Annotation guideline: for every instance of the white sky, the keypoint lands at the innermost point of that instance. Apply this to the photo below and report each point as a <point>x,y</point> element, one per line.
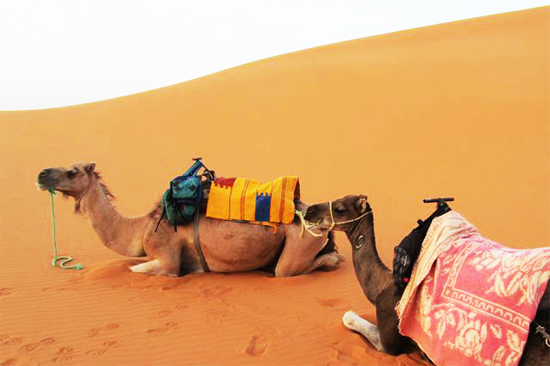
<point>57,53</point>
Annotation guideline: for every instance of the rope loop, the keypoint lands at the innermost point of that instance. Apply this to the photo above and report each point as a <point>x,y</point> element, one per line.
<point>307,226</point>
<point>63,259</point>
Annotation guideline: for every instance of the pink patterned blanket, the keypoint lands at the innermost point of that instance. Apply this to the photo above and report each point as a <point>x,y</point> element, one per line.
<point>470,301</point>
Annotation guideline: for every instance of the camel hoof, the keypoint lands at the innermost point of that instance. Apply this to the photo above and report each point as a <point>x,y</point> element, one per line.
<point>150,267</point>
<point>364,327</point>
<point>349,320</point>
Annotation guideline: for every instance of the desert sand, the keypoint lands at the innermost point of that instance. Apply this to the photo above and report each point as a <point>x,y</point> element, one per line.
<point>459,109</point>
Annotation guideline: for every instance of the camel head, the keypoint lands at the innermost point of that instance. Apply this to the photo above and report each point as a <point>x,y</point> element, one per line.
<point>72,181</point>
<point>345,211</point>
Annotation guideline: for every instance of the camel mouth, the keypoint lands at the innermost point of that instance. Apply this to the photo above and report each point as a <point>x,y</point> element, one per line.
<point>43,186</point>
<point>45,183</point>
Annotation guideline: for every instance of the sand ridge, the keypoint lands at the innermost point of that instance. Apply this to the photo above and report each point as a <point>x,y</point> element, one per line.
<point>460,109</point>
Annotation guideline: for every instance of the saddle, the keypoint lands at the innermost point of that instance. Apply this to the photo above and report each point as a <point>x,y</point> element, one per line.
<point>471,301</point>
<point>237,199</point>
<point>247,200</point>
<point>406,253</point>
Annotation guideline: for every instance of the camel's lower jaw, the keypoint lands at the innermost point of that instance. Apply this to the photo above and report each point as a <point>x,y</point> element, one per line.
<point>44,187</point>
<point>40,186</point>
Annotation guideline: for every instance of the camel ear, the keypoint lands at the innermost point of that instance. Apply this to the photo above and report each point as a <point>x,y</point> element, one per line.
<point>90,167</point>
<point>362,204</point>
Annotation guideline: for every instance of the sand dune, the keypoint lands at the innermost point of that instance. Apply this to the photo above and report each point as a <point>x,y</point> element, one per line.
<point>459,109</point>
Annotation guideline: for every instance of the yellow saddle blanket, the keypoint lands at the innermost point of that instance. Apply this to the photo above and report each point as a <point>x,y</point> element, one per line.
<point>249,200</point>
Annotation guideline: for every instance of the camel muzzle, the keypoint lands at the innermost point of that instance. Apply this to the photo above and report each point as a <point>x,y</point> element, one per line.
<point>45,182</point>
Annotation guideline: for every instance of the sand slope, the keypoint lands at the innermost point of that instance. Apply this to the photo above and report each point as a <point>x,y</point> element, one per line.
<point>458,109</point>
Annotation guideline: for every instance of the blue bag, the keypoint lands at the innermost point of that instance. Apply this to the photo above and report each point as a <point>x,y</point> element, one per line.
<point>183,198</point>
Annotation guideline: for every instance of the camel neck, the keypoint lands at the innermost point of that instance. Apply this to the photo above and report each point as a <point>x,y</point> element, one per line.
<point>121,234</point>
<point>371,272</point>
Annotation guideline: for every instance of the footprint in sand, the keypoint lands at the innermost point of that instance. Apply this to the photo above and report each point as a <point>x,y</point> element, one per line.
<point>9,362</point>
<point>216,291</point>
<point>5,291</point>
<point>112,326</point>
<point>164,313</point>
<point>111,344</point>
<point>8,341</point>
<point>258,346</point>
<point>348,353</point>
<point>65,354</point>
<point>47,341</point>
<point>95,331</point>
<point>28,348</point>
<point>96,352</point>
<point>161,329</point>
<point>329,302</point>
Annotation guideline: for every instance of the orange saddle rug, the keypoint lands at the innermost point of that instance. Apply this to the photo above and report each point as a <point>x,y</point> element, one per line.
<point>252,201</point>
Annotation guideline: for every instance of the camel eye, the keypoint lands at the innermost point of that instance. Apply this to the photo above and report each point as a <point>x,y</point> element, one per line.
<point>339,210</point>
<point>72,173</point>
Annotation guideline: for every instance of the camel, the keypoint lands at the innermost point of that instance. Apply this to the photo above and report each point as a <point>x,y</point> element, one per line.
<point>353,215</point>
<point>227,246</point>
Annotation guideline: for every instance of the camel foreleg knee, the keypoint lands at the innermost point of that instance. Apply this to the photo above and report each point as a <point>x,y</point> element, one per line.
<point>328,262</point>
<point>365,328</point>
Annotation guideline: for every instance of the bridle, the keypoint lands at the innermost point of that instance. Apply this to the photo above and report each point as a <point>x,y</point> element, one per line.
<point>334,223</point>
<point>307,226</point>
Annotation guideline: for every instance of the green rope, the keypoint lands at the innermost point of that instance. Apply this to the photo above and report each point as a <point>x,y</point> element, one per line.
<point>65,259</point>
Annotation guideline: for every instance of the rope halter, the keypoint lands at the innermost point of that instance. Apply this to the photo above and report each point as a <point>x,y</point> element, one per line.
<point>308,226</point>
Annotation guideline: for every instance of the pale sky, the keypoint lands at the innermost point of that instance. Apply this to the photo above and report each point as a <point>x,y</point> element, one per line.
<point>64,52</point>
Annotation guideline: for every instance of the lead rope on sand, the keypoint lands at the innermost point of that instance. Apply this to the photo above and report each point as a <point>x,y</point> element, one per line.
<point>63,259</point>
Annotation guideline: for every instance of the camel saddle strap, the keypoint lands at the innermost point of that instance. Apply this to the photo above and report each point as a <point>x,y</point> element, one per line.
<point>197,242</point>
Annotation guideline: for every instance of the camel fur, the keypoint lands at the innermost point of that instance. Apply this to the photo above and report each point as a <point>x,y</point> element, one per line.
<point>227,246</point>
<point>377,283</point>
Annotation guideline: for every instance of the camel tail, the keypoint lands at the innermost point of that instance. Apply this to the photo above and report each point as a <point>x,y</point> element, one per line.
<point>330,246</point>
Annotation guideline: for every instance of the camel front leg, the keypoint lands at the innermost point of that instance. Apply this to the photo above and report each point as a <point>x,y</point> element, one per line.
<point>299,255</point>
<point>157,268</point>
<point>365,328</point>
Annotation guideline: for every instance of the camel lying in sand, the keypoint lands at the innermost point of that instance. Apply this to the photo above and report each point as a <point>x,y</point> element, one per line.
<point>353,215</point>
<point>227,246</point>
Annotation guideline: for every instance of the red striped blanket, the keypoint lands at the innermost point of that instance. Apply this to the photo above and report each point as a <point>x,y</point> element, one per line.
<point>470,300</point>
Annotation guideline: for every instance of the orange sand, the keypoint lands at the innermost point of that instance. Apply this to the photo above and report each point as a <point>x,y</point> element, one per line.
<point>459,109</point>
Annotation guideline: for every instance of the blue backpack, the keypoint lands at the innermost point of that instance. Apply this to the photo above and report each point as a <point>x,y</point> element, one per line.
<point>182,200</point>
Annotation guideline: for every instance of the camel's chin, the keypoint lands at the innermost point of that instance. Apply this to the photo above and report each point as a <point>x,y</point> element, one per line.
<point>49,188</point>
<point>42,187</point>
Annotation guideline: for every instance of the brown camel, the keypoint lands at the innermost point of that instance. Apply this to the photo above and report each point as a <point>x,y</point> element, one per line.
<point>227,246</point>
<point>353,215</point>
